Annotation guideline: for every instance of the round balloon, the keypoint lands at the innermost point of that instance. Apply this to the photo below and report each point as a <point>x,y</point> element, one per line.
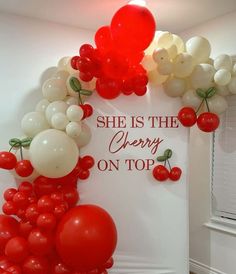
<point>53,154</point>
<point>86,237</point>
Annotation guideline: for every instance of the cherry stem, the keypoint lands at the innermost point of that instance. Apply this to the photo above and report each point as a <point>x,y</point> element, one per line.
<point>207,105</point>
<point>80,99</point>
<point>21,153</point>
<point>165,163</point>
<point>200,106</point>
<point>169,164</point>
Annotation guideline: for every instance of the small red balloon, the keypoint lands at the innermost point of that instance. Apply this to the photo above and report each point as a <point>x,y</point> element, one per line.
<point>16,249</point>
<point>24,168</point>
<point>44,186</point>
<point>35,265</point>
<point>5,263</point>
<point>108,88</point>
<point>46,221</point>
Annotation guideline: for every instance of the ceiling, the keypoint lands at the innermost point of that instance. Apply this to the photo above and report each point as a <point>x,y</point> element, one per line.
<point>172,15</point>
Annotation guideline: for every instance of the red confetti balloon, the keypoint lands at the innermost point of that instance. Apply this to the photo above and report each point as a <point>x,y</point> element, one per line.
<point>133,28</point>
<point>90,250</point>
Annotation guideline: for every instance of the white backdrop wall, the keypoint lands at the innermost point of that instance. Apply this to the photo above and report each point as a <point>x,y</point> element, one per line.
<point>210,248</point>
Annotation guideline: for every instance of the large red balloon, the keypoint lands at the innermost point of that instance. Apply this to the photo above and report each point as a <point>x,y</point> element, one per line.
<point>86,237</point>
<point>103,38</point>
<point>133,28</point>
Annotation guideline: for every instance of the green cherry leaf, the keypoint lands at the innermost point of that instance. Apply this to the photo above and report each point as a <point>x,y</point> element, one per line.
<point>15,142</point>
<point>86,92</point>
<point>201,93</point>
<point>26,142</point>
<point>168,153</point>
<point>161,158</point>
<point>210,92</point>
<point>75,84</point>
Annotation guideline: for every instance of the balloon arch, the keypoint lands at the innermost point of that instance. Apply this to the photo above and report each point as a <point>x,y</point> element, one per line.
<point>42,230</point>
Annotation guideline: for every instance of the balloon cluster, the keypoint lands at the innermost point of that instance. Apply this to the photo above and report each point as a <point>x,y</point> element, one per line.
<point>187,71</point>
<point>115,61</point>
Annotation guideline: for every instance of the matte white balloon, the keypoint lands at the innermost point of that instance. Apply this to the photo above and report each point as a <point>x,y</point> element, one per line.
<point>59,121</point>
<point>203,76</point>
<point>54,89</point>
<point>223,61</point>
<point>160,55</point>
<point>165,40</point>
<point>53,154</point>
<point>233,72</point>
<point>222,90</point>
<point>179,43</point>
<point>165,68</point>
<point>183,65</point>
<point>148,63</point>
<point>191,99</point>
<point>84,137</point>
<point>73,129</point>
<point>61,75</point>
<point>175,87</point>
<point>217,104</point>
<point>155,78</point>
<point>70,100</point>
<point>33,123</point>
<point>42,105</point>
<point>199,48</point>
<point>62,64</point>
<point>172,51</point>
<point>222,77</point>
<point>55,107</point>
<point>75,113</point>
<point>232,85</point>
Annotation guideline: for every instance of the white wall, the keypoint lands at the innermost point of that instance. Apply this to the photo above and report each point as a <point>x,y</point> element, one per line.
<point>211,248</point>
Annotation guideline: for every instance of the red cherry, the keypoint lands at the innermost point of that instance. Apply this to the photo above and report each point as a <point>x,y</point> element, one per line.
<point>84,174</point>
<point>86,162</point>
<point>26,187</point>
<point>20,199</point>
<point>46,221</point>
<point>24,168</point>
<point>88,110</point>
<point>86,50</point>
<point>140,91</point>
<point>208,122</point>
<point>7,160</point>
<point>9,194</point>
<point>187,117</point>
<point>9,208</point>
<point>45,204</point>
<point>175,173</point>
<point>160,173</point>
<point>73,62</point>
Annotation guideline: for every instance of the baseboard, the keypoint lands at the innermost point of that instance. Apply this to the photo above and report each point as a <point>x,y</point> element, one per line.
<point>199,268</point>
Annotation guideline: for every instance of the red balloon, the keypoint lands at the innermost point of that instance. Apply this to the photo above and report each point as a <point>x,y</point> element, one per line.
<point>44,186</point>
<point>45,204</point>
<point>4,262</point>
<point>46,221</point>
<point>133,28</point>
<point>71,195</point>
<point>15,269</point>
<point>60,268</point>
<point>24,228</point>
<point>86,237</point>
<point>35,265</point>
<point>103,39</point>
<point>9,228</point>
<point>32,213</point>
<point>16,249</point>
<point>108,88</point>
<point>39,243</point>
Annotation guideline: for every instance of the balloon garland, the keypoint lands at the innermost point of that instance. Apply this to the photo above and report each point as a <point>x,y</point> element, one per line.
<point>42,229</point>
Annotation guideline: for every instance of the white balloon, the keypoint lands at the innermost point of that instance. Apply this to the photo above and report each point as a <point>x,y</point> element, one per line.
<point>42,105</point>
<point>172,51</point>
<point>73,129</point>
<point>62,64</point>
<point>148,63</point>
<point>199,48</point>
<point>165,68</point>
<point>222,90</point>
<point>155,78</point>
<point>191,99</point>
<point>55,107</point>
<point>84,137</point>
<point>33,123</point>
<point>223,61</point>
<point>232,85</point>
<point>61,75</point>
<point>165,40</point>
<point>210,61</point>
<point>202,76</point>
<point>75,113</point>
<point>217,104</point>
<point>234,69</point>
<point>175,87</point>
<point>183,65</point>
<point>53,154</point>
<point>160,55</point>
<point>222,77</point>
<point>59,121</point>
<point>179,43</point>
<point>70,100</point>
<point>54,89</point>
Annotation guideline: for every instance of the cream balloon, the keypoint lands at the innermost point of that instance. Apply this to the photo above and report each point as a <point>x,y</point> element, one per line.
<point>234,70</point>
<point>33,123</point>
<point>54,89</point>
<point>84,137</point>
<point>179,43</point>
<point>165,40</point>
<point>223,61</point>
<point>217,104</point>
<point>73,129</point>
<point>199,48</point>
<point>183,65</point>
<point>53,154</point>
<point>62,64</point>
<point>155,78</point>
<point>175,87</point>
<point>148,63</point>
<point>172,51</point>
<point>202,76</point>
<point>222,90</point>
<point>153,45</point>
<point>75,113</point>
<point>222,77</point>
<point>59,121</point>
<point>165,68</point>
<point>61,75</point>
<point>55,107</point>
<point>42,105</point>
<point>160,55</point>
<point>232,85</point>
<point>191,99</point>
<point>70,100</point>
